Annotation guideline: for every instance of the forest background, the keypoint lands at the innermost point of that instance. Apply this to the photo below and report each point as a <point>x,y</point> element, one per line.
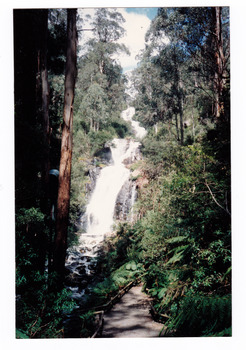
<point>238,156</point>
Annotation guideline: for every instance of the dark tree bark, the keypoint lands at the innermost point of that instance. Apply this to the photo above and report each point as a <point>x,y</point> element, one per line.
<point>43,97</point>
<point>181,117</point>
<point>25,71</point>
<point>32,116</point>
<point>179,90</point>
<point>177,126</point>
<point>219,62</point>
<point>66,147</point>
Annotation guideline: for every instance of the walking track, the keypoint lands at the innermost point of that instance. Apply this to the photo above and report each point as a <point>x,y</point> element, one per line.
<point>130,318</point>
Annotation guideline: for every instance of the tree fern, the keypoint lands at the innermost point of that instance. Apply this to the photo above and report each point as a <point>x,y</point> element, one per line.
<point>202,315</point>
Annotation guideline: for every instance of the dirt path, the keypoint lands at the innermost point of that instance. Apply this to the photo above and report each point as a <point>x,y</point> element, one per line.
<point>130,318</point>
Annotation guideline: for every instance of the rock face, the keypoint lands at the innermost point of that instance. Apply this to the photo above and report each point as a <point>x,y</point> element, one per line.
<point>133,158</point>
<point>125,201</point>
<point>105,155</point>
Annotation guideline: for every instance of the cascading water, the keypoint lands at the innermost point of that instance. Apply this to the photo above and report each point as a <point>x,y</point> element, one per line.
<point>127,115</point>
<point>100,210</point>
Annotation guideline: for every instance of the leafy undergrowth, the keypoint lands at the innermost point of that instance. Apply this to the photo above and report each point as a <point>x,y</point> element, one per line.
<point>180,244</point>
<point>104,291</point>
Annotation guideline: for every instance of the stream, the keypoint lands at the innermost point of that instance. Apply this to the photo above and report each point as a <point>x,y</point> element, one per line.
<point>113,189</point>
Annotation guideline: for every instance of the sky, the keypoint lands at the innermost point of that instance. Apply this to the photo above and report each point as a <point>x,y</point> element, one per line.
<point>137,22</point>
<point>150,12</point>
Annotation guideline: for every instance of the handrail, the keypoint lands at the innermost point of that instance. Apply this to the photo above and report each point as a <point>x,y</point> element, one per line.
<point>156,315</point>
<point>99,310</point>
<point>100,326</point>
<point>118,295</point>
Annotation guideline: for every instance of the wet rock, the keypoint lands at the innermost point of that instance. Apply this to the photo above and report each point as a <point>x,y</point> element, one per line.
<point>76,280</point>
<point>133,158</point>
<point>93,173</point>
<point>81,270</point>
<point>84,283</point>
<point>105,155</point>
<point>125,200</point>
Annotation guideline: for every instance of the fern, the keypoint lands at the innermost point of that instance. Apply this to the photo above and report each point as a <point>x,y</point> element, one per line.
<point>202,315</point>
<point>177,239</point>
<point>178,254</point>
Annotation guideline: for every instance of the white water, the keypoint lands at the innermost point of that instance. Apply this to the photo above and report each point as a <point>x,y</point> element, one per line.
<point>127,115</point>
<point>100,210</point>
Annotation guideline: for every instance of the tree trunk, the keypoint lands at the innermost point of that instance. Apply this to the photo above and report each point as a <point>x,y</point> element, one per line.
<point>177,126</point>
<point>179,89</point>
<point>219,62</point>
<point>181,118</point>
<point>45,112</point>
<point>46,128</point>
<point>66,147</point>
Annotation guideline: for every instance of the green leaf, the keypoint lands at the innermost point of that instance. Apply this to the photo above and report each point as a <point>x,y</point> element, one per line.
<point>21,335</point>
<point>178,239</point>
<point>162,292</point>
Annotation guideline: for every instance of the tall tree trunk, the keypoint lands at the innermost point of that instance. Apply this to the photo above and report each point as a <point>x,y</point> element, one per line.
<point>177,126</point>
<point>179,88</point>
<point>219,62</point>
<point>66,147</point>
<point>45,111</point>
<point>44,92</point>
<point>181,107</point>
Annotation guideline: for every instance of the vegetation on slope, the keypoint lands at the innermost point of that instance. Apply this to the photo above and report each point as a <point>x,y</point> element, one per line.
<point>181,240</point>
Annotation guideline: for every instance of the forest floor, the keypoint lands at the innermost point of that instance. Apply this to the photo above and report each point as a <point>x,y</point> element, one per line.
<point>130,317</point>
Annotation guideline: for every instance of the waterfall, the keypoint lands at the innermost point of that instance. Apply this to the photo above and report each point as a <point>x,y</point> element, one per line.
<point>127,115</point>
<point>100,210</point>
<point>101,207</point>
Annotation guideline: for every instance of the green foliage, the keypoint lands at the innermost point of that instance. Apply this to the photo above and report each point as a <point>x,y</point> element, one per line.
<point>182,239</point>
<point>29,216</point>
<point>39,308</point>
<point>205,315</point>
<point>30,253</point>
<point>21,335</point>
<point>99,99</point>
<point>43,319</point>
<point>118,278</point>
<point>87,324</point>
<point>93,106</point>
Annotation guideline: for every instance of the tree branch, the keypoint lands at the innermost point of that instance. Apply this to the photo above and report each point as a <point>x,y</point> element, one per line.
<point>210,191</point>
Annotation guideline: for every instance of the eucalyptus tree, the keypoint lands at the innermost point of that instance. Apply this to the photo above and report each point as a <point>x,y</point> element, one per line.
<point>94,107</point>
<point>107,31</point>
<point>148,101</point>
<point>66,146</point>
<point>103,47</point>
<point>159,80</point>
<point>172,62</point>
<point>187,55</point>
<point>98,68</point>
<point>199,33</point>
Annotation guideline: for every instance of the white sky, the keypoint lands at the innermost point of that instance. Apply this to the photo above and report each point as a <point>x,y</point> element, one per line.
<point>136,26</point>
